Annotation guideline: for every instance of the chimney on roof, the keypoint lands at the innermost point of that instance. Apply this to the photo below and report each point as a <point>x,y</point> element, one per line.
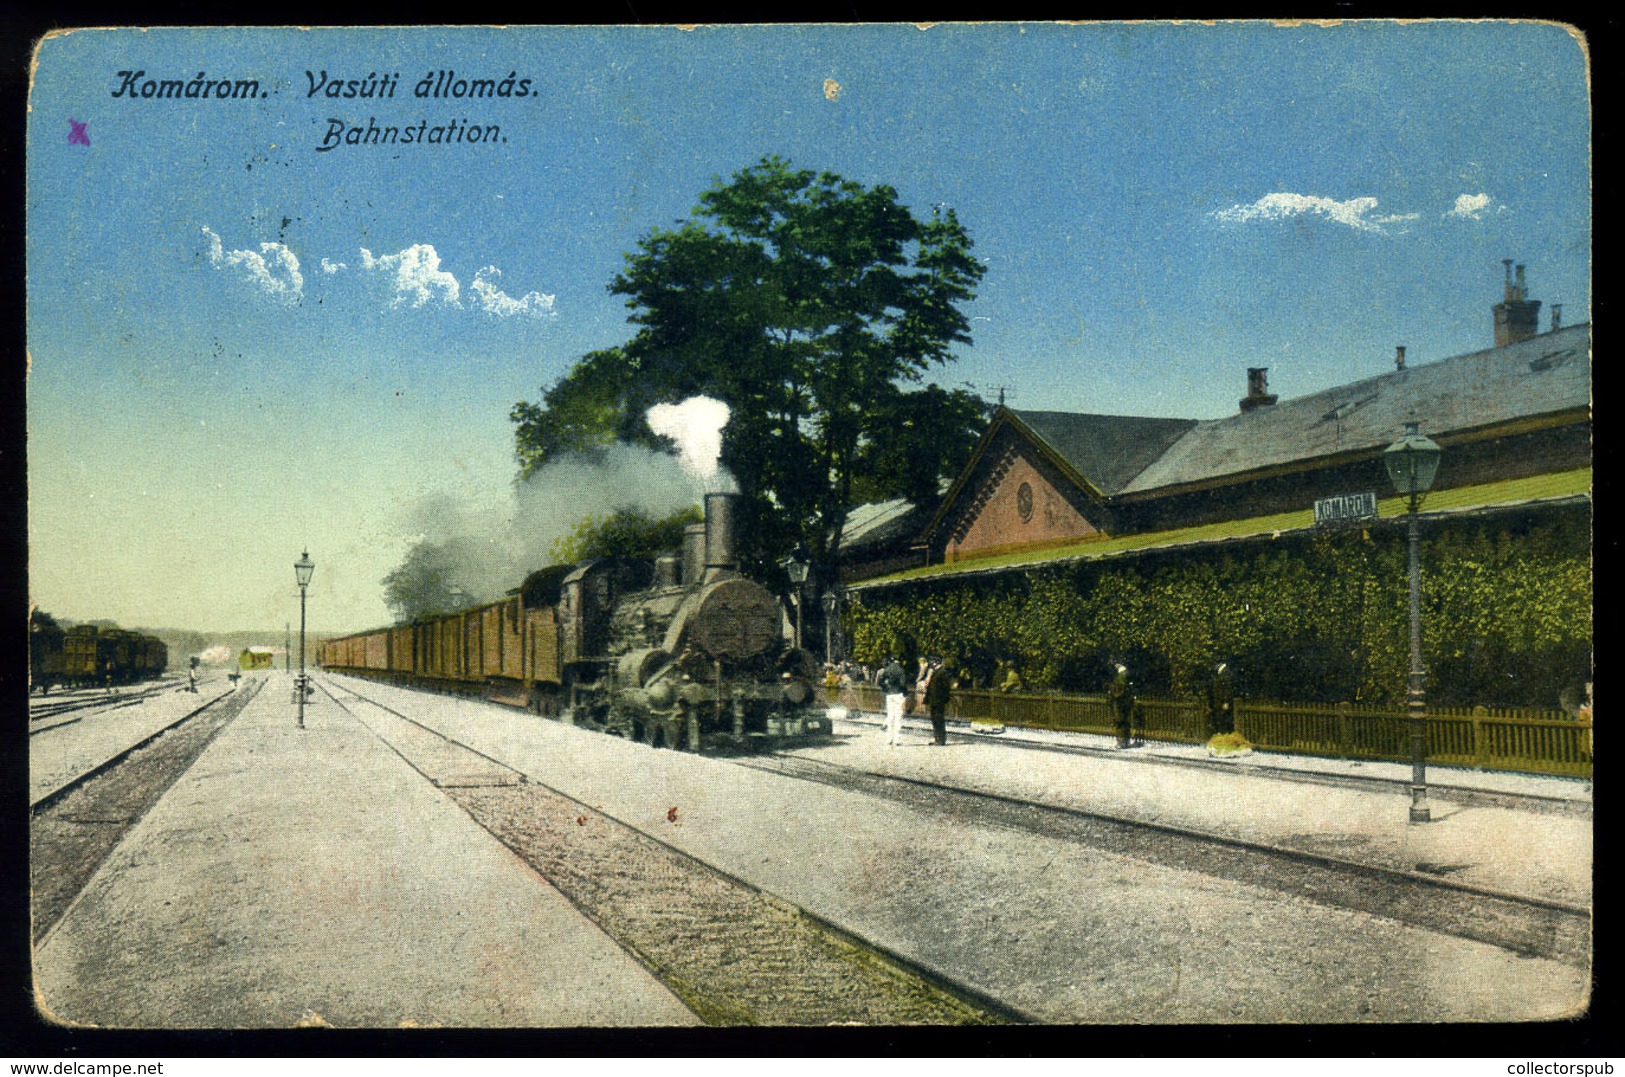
<point>1557,316</point>
<point>1258,389</point>
<point>1399,357</point>
<point>1517,317</point>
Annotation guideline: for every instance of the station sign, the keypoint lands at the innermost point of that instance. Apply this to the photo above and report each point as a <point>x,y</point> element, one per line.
<point>1362,506</point>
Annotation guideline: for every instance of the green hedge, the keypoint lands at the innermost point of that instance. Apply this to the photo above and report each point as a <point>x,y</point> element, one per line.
<point>1322,617</point>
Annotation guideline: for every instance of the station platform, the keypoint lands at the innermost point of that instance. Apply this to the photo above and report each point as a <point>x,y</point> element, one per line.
<point>1065,932</point>
<point>1346,809</point>
<point>1575,791</point>
<point>312,877</point>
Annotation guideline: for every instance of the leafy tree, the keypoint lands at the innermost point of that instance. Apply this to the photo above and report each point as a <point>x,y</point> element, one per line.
<point>811,305</point>
<point>627,533</point>
<point>422,585</point>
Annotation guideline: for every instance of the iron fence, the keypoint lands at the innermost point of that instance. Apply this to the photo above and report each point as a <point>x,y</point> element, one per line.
<point>1517,739</point>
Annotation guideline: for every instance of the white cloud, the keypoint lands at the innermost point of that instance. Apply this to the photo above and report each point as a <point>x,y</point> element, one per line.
<point>332,267</point>
<point>1470,207</point>
<point>416,275</point>
<point>494,300</point>
<point>1354,213</point>
<point>274,269</point>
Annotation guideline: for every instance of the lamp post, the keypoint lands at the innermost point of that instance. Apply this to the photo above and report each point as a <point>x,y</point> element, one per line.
<point>1412,462</point>
<point>832,603</point>
<point>302,570</point>
<point>796,566</point>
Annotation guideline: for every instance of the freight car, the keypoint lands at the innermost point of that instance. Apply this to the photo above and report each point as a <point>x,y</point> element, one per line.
<point>684,651</point>
<point>89,655</point>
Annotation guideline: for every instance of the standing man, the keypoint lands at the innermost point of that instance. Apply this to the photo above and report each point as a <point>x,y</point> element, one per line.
<point>892,683</point>
<point>1221,701</point>
<point>191,676</point>
<point>1121,693</point>
<point>939,686</point>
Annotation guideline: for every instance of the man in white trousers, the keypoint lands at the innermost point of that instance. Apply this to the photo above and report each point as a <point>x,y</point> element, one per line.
<point>892,683</point>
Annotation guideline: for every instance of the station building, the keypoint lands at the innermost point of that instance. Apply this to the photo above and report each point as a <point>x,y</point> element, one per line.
<point>1514,421</point>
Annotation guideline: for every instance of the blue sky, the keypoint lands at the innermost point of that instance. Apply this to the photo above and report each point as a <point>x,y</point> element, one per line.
<point>1158,206</point>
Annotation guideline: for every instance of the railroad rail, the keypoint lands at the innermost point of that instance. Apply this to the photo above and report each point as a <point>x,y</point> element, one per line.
<point>1527,926</point>
<point>41,712</point>
<point>732,951</point>
<point>74,827</point>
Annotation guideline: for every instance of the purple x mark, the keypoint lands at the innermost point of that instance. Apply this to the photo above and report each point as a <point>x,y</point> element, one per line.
<point>77,136</point>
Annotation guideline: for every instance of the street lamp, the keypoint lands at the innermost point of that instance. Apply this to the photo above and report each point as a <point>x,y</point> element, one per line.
<point>796,566</point>
<point>832,603</point>
<point>1412,461</point>
<point>302,570</point>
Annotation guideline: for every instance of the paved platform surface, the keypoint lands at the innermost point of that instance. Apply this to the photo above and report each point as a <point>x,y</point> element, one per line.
<point>1529,853</point>
<point>313,876</point>
<point>58,755</point>
<point>1064,932</point>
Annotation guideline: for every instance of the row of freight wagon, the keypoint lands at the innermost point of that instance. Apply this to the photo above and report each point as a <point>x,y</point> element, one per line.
<point>91,655</point>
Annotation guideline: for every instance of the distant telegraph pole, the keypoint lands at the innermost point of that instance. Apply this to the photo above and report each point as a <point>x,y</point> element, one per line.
<point>287,646</point>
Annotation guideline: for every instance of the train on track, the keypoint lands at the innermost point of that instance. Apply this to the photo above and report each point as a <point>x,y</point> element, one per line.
<point>683,651</point>
<point>85,655</point>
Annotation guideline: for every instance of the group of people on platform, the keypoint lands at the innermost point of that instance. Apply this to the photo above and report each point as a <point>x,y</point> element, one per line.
<point>934,681</point>
<point>933,687</point>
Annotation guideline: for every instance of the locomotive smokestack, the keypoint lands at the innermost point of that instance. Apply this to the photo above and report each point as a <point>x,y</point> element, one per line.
<point>721,550</point>
<point>693,553</point>
<point>666,570</point>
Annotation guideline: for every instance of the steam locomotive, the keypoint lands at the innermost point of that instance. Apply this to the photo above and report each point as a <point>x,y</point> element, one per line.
<point>88,655</point>
<point>681,652</point>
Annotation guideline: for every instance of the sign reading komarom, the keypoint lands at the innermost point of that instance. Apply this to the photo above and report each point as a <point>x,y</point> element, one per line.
<point>1361,506</point>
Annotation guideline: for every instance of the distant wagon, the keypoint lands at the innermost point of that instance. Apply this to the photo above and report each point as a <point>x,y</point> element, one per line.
<point>256,658</point>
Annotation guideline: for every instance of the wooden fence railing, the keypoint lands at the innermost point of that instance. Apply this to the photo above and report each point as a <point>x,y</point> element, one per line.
<point>1519,739</point>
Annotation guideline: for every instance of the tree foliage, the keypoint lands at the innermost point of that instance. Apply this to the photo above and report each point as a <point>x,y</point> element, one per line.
<point>422,585</point>
<point>812,306</point>
<point>627,533</point>
<point>1318,618</point>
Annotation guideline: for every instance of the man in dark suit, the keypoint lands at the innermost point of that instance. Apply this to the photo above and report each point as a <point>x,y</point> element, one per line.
<point>939,686</point>
<point>1221,700</point>
<point>1120,691</point>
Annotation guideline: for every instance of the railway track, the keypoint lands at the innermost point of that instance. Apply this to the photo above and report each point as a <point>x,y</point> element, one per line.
<point>74,827</point>
<point>1529,927</point>
<point>734,953</point>
<point>45,713</point>
<point>1466,796</point>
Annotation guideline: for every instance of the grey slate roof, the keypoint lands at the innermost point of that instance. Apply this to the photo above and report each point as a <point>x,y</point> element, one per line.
<point>880,524</point>
<point>1546,374</point>
<point>1108,450</point>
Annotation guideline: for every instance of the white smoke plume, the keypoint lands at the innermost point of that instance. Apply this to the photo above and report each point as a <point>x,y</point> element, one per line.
<point>218,655</point>
<point>488,549</point>
<point>696,426</point>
